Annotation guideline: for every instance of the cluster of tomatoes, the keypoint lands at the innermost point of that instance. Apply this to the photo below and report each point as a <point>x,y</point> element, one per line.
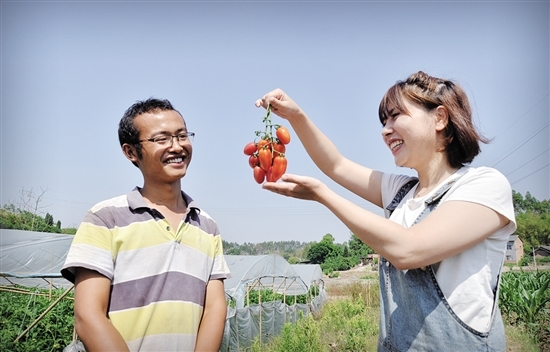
<point>267,155</point>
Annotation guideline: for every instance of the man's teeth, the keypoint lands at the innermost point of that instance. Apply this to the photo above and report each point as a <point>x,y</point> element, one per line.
<point>395,144</point>
<point>175,160</point>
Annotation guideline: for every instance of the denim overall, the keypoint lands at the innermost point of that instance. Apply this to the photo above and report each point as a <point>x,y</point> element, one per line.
<point>415,316</point>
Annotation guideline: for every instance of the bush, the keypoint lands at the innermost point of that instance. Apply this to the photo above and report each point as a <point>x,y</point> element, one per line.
<point>525,261</point>
<point>338,263</point>
<point>52,333</point>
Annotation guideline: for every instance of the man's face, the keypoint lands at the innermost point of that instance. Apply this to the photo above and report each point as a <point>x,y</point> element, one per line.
<point>163,163</point>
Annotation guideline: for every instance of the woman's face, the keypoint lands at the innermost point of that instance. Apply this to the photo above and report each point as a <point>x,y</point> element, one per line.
<point>411,135</point>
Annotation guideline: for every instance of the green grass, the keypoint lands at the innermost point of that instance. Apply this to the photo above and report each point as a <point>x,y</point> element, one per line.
<point>350,323</point>
<point>519,340</point>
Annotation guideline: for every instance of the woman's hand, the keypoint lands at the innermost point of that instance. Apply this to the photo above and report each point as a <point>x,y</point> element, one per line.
<point>281,104</point>
<point>300,187</point>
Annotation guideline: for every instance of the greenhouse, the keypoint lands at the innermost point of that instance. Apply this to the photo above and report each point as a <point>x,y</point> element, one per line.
<point>263,294</point>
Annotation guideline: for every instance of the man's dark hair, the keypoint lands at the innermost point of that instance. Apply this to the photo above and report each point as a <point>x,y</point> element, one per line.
<point>127,131</point>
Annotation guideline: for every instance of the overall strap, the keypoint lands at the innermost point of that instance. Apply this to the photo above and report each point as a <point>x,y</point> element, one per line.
<point>431,203</point>
<point>401,194</point>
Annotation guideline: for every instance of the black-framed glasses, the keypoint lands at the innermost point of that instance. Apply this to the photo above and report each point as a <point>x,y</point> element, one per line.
<point>167,139</point>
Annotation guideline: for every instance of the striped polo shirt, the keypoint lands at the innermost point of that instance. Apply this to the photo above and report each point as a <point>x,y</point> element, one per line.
<point>158,274</point>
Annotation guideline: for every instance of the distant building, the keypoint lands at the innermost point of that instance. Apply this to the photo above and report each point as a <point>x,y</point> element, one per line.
<point>514,249</point>
<point>542,252</point>
<point>370,259</point>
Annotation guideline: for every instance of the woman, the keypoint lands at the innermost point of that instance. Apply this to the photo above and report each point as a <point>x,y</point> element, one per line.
<point>444,239</point>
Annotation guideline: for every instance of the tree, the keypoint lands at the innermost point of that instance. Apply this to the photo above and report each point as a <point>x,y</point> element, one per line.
<point>319,252</point>
<point>533,220</point>
<point>49,219</point>
<point>517,199</point>
<point>529,204</point>
<point>12,217</point>
<point>358,248</point>
<point>533,229</point>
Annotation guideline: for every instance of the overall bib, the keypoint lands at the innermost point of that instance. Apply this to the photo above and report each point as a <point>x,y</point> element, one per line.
<point>415,316</point>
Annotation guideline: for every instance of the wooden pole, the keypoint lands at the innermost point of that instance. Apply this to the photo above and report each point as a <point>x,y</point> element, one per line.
<point>260,303</point>
<point>44,313</point>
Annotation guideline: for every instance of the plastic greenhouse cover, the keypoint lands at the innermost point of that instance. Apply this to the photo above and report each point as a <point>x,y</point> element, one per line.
<point>310,273</point>
<point>31,258</point>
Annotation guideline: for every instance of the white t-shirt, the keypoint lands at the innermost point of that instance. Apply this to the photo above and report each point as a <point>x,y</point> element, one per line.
<point>468,278</point>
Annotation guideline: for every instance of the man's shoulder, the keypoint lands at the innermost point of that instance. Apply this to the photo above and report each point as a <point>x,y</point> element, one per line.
<point>117,202</point>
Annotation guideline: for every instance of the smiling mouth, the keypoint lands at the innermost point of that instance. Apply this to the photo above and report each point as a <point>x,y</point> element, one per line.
<point>175,160</point>
<point>395,144</point>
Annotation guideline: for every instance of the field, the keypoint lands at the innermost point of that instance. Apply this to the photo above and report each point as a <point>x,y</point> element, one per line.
<point>348,321</point>
<point>517,338</point>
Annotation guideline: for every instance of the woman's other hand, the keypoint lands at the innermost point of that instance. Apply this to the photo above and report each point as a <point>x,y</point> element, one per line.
<point>300,187</point>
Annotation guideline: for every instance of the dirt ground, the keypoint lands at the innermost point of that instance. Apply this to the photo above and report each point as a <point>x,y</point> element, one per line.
<point>360,272</point>
<point>336,286</point>
<point>350,276</point>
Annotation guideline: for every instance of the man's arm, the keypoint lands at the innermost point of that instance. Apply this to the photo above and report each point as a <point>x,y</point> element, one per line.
<point>210,335</point>
<point>91,299</point>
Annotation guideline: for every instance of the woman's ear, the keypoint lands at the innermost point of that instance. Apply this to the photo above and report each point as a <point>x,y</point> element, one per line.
<point>130,152</point>
<point>441,118</point>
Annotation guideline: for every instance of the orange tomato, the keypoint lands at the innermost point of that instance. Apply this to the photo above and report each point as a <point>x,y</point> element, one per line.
<point>262,143</point>
<point>278,149</point>
<point>278,168</point>
<point>264,155</point>
<point>283,135</point>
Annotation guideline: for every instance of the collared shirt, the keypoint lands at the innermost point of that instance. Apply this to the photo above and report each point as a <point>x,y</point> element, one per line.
<point>158,274</point>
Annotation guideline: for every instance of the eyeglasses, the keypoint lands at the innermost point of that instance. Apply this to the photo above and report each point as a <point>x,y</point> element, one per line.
<point>165,139</point>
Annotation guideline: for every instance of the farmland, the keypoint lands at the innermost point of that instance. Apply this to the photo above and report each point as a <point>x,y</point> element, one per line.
<point>348,321</point>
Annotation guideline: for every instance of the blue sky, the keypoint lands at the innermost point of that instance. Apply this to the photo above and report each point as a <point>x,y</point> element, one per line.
<point>69,69</point>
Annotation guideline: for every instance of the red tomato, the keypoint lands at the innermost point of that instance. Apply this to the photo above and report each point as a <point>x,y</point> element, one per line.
<point>250,148</point>
<point>253,161</point>
<point>259,174</point>
<point>265,158</point>
<point>279,148</point>
<point>279,168</point>
<point>283,135</point>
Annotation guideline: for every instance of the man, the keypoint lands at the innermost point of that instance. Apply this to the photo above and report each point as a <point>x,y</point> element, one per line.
<point>148,266</point>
